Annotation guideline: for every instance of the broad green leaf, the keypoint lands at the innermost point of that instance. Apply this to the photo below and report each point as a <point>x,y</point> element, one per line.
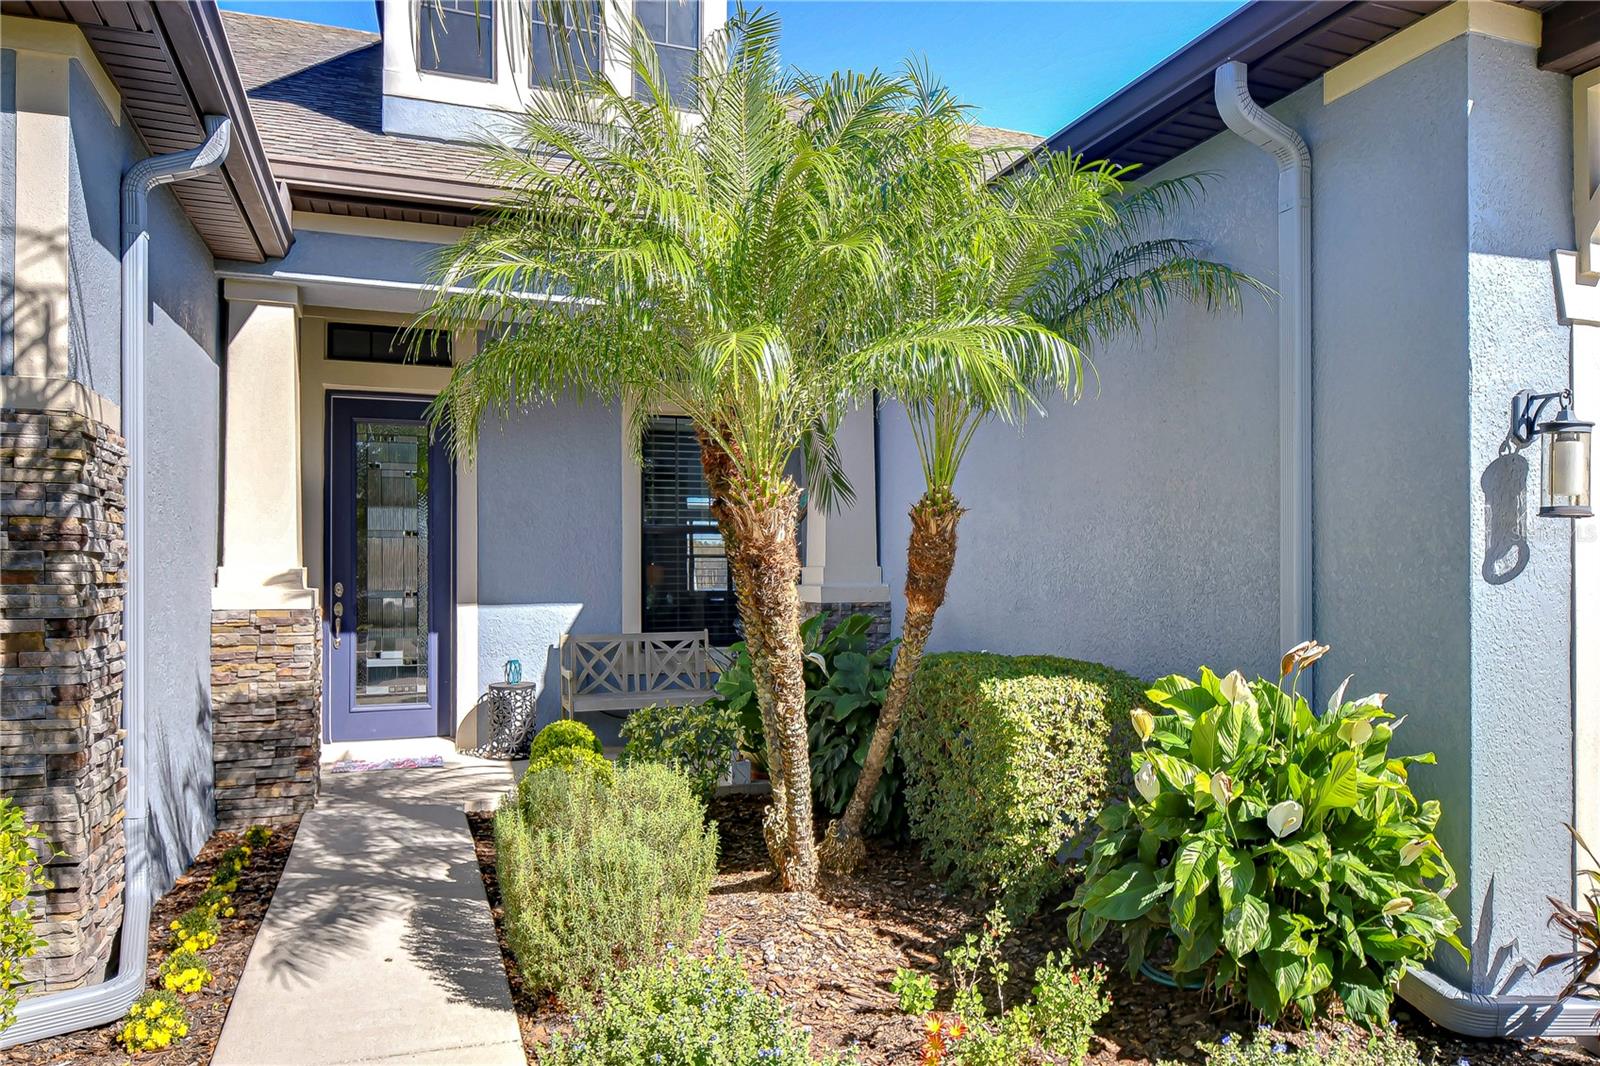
<point>1244,927</point>
<point>1191,871</point>
<point>1203,741</point>
<point>1180,695</point>
<point>1300,857</point>
<point>1337,788</point>
<point>1125,893</point>
<point>1236,875</point>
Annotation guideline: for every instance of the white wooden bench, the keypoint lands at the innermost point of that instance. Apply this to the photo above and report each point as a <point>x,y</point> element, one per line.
<point>615,673</point>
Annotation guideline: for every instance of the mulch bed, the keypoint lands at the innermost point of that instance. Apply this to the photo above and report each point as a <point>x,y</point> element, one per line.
<point>208,1007</point>
<point>831,958</point>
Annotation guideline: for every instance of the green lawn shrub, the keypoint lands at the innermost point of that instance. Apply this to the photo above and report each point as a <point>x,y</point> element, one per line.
<point>683,1011</point>
<point>1007,757</point>
<point>21,874</point>
<point>1283,853</point>
<point>599,873</point>
<point>570,759</point>
<point>564,733</point>
<point>698,741</point>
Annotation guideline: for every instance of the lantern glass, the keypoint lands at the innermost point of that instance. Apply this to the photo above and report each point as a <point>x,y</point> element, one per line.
<point>1566,470</point>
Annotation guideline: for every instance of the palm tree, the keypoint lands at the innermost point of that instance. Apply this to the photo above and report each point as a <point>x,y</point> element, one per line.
<point>735,265</point>
<point>1065,243</point>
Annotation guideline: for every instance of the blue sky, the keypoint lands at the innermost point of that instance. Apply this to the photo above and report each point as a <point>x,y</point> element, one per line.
<point>1025,64</point>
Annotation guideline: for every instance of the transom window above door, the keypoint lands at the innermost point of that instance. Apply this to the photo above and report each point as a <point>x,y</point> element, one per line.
<point>686,584</point>
<point>360,343</point>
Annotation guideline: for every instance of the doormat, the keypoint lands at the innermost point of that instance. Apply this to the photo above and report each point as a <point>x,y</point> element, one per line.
<point>361,766</point>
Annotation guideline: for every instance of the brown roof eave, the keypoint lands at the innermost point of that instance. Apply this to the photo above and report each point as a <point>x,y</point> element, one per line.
<point>201,48</point>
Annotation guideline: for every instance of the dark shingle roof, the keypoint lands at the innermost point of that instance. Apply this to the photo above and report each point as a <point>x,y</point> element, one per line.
<point>317,95</point>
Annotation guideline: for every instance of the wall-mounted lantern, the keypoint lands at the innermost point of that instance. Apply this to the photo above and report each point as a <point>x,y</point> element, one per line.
<point>1565,448</point>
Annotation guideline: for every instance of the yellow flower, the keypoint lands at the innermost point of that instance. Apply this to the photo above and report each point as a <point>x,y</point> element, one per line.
<point>228,912</point>
<point>1144,723</point>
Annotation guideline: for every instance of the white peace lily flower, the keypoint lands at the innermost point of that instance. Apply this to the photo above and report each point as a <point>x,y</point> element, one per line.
<point>1222,789</point>
<point>1145,781</point>
<point>1355,732</point>
<point>1413,851</point>
<point>1285,818</point>
<point>1144,723</point>
<point>1397,906</point>
<point>1237,689</point>
<point>1374,700</point>
<point>1336,700</point>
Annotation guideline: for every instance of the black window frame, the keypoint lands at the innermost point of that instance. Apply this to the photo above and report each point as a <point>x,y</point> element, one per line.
<point>674,520</point>
<point>395,352</point>
<point>482,13</point>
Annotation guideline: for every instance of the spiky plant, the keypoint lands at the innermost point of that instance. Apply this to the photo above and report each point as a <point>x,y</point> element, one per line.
<point>1064,243</point>
<point>1583,926</point>
<point>736,264</point>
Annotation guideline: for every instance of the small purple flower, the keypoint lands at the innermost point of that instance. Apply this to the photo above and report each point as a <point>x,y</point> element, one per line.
<point>1227,1038</point>
<point>1279,1048</point>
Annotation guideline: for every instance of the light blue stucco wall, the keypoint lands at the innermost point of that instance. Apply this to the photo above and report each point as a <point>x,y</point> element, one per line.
<point>1139,527</point>
<point>345,257</point>
<point>549,537</point>
<point>8,203</point>
<point>182,446</point>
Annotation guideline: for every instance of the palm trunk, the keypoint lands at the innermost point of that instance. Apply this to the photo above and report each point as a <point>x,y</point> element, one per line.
<point>930,557</point>
<point>763,560</point>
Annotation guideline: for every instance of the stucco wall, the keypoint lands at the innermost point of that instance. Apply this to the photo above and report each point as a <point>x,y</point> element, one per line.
<point>182,450</point>
<point>549,537</point>
<point>1139,527</point>
<point>8,200</point>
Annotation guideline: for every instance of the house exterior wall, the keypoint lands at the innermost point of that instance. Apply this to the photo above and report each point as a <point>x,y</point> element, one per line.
<point>1139,527</point>
<point>67,145</point>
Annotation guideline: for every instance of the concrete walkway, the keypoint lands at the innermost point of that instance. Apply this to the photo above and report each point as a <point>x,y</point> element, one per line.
<point>379,945</point>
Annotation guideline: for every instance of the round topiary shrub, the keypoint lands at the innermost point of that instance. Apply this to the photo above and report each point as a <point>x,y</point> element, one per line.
<point>1007,757</point>
<point>571,759</point>
<point>564,734</point>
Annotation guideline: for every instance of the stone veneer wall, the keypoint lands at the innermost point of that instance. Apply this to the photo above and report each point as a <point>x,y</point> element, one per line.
<point>266,713</point>
<point>62,570</point>
<point>878,634</point>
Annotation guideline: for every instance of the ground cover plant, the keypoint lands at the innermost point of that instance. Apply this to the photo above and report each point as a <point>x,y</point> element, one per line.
<point>685,1011</point>
<point>1007,757</point>
<point>1283,852</point>
<point>599,870</point>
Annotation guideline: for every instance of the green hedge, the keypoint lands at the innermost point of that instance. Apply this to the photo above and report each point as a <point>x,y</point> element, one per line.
<point>1007,757</point>
<point>599,871</point>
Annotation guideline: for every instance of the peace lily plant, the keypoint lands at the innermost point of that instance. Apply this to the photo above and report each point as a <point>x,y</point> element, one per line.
<point>1283,853</point>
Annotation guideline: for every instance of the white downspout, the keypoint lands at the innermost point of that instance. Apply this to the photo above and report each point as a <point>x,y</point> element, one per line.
<point>1247,118</point>
<point>79,1008</point>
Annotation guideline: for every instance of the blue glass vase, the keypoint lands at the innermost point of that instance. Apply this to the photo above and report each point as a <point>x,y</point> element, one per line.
<point>513,671</point>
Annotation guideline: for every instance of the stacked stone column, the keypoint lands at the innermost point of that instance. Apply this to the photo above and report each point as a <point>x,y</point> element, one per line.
<point>62,573</point>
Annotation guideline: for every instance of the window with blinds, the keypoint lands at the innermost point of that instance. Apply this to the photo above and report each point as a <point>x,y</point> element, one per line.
<point>686,584</point>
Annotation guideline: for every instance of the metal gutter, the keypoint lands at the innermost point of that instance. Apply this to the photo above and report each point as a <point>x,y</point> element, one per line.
<point>1247,118</point>
<point>78,1008</point>
<point>1496,1016</point>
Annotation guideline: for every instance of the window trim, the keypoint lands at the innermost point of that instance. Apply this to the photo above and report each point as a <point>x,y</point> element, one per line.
<point>494,59</point>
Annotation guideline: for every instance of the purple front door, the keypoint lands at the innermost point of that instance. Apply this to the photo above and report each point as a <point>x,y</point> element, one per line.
<point>390,595</point>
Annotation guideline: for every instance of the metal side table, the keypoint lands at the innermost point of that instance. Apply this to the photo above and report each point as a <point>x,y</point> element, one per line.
<point>513,710</point>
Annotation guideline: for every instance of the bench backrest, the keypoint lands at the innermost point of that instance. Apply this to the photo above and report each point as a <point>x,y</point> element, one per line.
<point>625,664</point>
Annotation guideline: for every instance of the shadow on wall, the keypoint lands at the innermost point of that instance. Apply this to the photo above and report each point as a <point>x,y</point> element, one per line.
<point>182,806</point>
<point>1505,501</point>
<point>530,632</point>
<point>29,315</point>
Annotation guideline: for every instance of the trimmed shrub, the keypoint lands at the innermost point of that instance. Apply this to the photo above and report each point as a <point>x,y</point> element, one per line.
<point>564,734</point>
<point>683,1011</point>
<point>597,874</point>
<point>21,874</point>
<point>697,741</point>
<point>570,759</point>
<point>1384,1047</point>
<point>1007,758</point>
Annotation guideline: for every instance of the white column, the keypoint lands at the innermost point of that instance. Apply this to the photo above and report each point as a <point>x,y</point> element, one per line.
<point>262,565</point>
<point>841,564</point>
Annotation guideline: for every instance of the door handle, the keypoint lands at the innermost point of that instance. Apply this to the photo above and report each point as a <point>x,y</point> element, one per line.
<point>338,611</point>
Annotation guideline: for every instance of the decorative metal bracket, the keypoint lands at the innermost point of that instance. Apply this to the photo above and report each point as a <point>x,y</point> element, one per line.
<point>1527,407</point>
